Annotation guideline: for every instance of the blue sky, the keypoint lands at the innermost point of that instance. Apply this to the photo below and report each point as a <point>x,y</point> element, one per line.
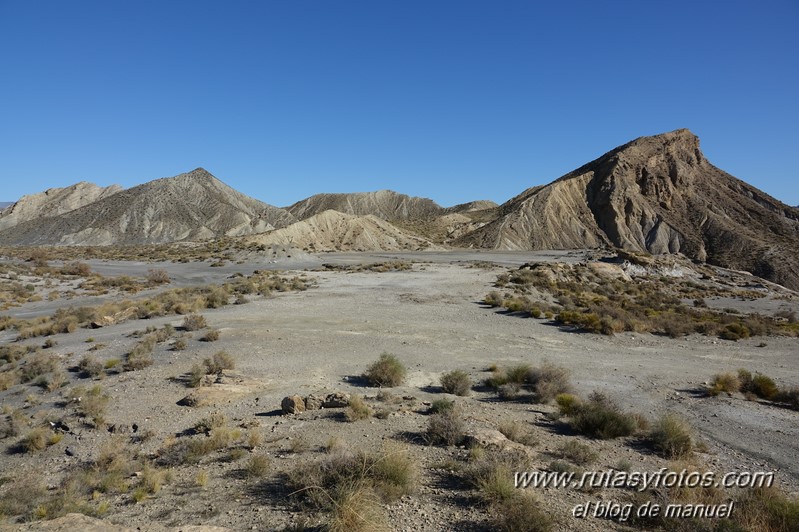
<point>452,100</point>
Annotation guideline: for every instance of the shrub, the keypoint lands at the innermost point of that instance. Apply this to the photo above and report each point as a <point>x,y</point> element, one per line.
<point>35,440</point>
<point>671,437</point>
<point>521,513</point>
<point>440,406</point>
<point>157,276</point>
<point>356,508</point>
<point>91,403</point>
<point>567,403</point>
<point>211,336</point>
<point>767,509</point>
<point>509,391</point>
<point>519,373</point>
<point>445,428</point>
<point>194,322</point>
<point>394,472</point>
<point>140,356</point>
<point>789,397</point>
<point>601,418</point>
<point>492,473</point>
<point>38,365</point>
<point>358,409</point>
<point>456,382</point>
<point>386,371</point>
<point>518,432</point>
<point>735,331</point>
<point>725,382</point>
<point>763,386</point>
<point>548,381</point>
<point>493,299</point>
<point>207,424</point>
<point>196,376</point>
<point>220,362</point>
<point>351,485</point>
<point>577,452</point>
<point>76,268</point>
<point>257,466</point>
<point>90,366</point>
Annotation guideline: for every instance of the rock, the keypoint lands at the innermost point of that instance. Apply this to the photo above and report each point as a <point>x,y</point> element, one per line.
<point>337,400</point>
<point>119,317</point>
<point>314,402</point>
<point>492,438</point>
<point>69,451</point>
<point>293,404</point>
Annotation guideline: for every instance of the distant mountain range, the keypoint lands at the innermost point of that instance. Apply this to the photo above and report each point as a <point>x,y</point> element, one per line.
<point>655,194</point>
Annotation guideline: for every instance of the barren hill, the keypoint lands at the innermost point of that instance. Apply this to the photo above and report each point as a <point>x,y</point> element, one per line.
<point>472,206</point>
<point>191,206</point>
<point>336,231</point>
<point>384,204</point>
<point>657,194</point>
<point>53,201</point>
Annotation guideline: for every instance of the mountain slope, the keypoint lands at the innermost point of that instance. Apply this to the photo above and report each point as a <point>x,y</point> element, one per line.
<point>336,231</point>
<point>660,195</point>
<point>191,206</point>
<point>54,201</point>
<point>384,204</point>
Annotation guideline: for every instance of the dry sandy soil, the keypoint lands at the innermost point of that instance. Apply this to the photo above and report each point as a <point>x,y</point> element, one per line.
<point>431,318</point>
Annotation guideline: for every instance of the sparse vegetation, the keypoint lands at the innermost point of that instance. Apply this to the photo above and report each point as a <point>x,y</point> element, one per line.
<point>456,382</point>
<point>350,486</point>
<point>578,453</point>
<point>194,322</point>
<point>598,417</point>
<point>386,371</point>
<point>582,298</point>
<point>445,428</point>
<point>358,409</point>
<point>518,432</point>
<point>671,437</point>
<point>725,382</point>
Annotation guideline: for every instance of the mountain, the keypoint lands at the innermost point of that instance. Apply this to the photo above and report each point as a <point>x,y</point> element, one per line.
<point>4,204</point>
<point>384,204</point>
<point>655,194</point>
<point>336,231</point>
<point>54,201</point>
<point>191,206</point>
<point>472,206</point>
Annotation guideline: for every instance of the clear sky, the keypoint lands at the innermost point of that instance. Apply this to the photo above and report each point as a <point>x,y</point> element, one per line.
<point>453,100</point>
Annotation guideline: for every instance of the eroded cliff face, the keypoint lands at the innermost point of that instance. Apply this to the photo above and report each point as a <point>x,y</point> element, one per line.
<point>659,195</point>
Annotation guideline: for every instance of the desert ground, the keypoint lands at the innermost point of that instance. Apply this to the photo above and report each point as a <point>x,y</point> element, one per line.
<point>321,340</point>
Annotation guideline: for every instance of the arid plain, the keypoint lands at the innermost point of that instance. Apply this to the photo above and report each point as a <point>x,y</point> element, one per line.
<point>428,310</point>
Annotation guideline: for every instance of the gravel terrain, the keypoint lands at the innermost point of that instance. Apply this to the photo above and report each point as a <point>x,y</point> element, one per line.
<point>321,340</point>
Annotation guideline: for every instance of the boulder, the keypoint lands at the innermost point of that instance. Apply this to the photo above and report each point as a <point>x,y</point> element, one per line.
<point>314,402</point>
<point>337,400</point>
<point>293,404</point>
